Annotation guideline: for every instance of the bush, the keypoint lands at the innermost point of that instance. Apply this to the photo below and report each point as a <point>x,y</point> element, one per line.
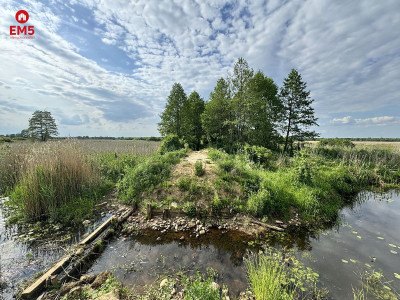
<point>198,169</point>
<point>190,210</point>
<point>258,154</point>
<point>170,143</point>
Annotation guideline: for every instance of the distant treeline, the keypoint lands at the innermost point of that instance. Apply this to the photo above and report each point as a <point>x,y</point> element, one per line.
<point>8,138</point>
<point>367,139</point>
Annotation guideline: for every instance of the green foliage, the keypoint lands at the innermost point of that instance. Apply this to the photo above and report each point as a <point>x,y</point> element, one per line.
<point>258,154</point>
<point>298,113</point>
<point>190,210</point>
<point>184,183</point>
<point>336,142</point>
<point>271,277</point>
<point>172,116</point>
<point>192,130</point>
<point>170,143</point>
<point>146,175</point>
<point>217,118</point>
<point>201,288</point>
<point>112,165</point>
<point>259,203</point>
<point>198,169</point>
<point>42,125</point>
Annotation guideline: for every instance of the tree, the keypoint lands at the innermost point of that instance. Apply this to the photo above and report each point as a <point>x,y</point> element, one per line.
<point>42,125</point>
<point>192,130</point>
<point>263,111</point>
<point>171,117</point>
<point>217,118</point>
<point>298,113</point>
<point>242,74</point>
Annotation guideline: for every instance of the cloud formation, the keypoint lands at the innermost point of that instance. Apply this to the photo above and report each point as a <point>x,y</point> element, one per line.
<point>106,67</point>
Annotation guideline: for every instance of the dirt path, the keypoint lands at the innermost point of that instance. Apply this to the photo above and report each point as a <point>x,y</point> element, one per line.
<point>186,166</point>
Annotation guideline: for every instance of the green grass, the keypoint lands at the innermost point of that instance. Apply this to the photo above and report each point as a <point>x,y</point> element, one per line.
<point>146,175</point>
<point>315,182</point>
<point>274,275</point>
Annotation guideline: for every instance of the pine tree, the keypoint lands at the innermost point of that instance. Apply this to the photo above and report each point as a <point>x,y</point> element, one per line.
<point>42,125</point>
<point>171,117</point>
<point>298,113</point>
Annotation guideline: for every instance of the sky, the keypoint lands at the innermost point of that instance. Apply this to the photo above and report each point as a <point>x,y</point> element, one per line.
<point>106,67</point>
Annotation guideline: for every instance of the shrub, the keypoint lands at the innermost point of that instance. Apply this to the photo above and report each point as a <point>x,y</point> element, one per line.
<point>184,183</point>
<point>198,169</point>
<point>258,154</point>
<point>170,143</point>
<point>190,210</point>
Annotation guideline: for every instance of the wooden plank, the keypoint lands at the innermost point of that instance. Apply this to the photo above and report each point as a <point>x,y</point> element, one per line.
<point>96,233</point>
<point>30,292</point>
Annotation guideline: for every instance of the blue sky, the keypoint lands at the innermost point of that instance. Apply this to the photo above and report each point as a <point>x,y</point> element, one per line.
<point>105,68</point>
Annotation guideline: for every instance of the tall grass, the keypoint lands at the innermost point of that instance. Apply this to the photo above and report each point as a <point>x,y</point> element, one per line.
<point>274,275</point>
<point>49,176</point>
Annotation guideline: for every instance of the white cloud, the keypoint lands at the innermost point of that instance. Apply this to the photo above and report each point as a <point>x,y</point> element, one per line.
<point>347,52</point>
<point>344,120</point>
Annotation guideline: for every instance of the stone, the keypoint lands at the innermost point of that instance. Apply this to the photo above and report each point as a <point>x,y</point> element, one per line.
<point>163,282</point>
<point>182,238</point>
<point>192,224</point>
<point>88,278</point>
<point>100,279</point>
<point>86,223</point>
<point>174,204</point>
<point>278,222</point>
<point>159,238</point>
<point>215,286</point>
<point>202,232</point>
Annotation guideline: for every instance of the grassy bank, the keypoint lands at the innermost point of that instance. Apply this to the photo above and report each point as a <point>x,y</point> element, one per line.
<point>316,182</point>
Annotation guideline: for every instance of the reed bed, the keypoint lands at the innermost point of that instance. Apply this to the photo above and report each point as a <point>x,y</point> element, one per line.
<point>49,176</point>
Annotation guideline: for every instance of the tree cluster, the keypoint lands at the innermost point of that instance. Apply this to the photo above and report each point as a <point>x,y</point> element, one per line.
<point>245,108</point>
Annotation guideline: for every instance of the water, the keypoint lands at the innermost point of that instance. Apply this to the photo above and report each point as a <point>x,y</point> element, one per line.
<point>364,232</point>
<point>369,229</point>
<point>138,261</point>
<point>20,260</point>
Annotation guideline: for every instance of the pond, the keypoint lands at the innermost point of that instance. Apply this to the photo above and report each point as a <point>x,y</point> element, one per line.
<point>366,238</point>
